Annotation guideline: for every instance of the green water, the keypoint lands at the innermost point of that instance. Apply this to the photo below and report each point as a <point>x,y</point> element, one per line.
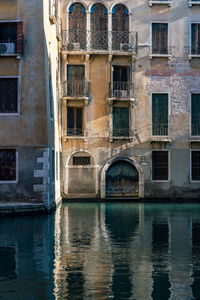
<point>102,251</point>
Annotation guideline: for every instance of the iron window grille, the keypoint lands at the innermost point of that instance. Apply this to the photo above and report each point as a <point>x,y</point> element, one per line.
<point>195,157</point>
<point>160,165</point>
<point>81,160</point>
<point>160,114</point>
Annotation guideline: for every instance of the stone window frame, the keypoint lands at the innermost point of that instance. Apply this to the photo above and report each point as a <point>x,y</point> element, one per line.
<point>190,55</point>
<point>18,95</point>
<point>17,167</point>
<point>191,180</point>
<point>168,55</point>
<point>169,166</point>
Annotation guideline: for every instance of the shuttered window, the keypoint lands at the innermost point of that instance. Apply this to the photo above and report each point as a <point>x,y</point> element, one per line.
<point>159,38</point>
<point>195,36</point>
<point>120,121</point>
<point>160,114</point>
<point>195,115</point>
<point>75,121</point>
<point>195,165</point>
<point>76,85</point>
<point>160,165</point>
<point>8,95</point>
<point>7,164</point>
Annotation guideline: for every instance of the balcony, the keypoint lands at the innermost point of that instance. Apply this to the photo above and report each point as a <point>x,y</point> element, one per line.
<point>76,89</point>
<point>195,130</point>
<point>121,90</point>
<point>99,41</point>
<point>160,130</point>
<point>8,48</point>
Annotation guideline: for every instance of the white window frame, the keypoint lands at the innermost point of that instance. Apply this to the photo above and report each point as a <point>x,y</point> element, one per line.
<point>169,164</point>
<point>17,168</point>
<point>151,55</point>
<point>190,55</point>
<point>190,106</point>
<point>18,96</point>
<point>191,180</point>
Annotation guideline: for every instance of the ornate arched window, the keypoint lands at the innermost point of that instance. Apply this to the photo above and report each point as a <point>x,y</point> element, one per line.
<point>99,27</point>
<point>120,26</point>
<point>77,27</point>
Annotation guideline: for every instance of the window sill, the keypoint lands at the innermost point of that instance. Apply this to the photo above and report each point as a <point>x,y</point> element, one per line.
<point>111,139</point>
<point>10,114</point>
<point>194,139</point>
<point>66,138</point>
<point>193,3</point>
<point>160,181</point>
<point>159,2</point>
<point>161,139</point>
<point>8,182</point>
<point>78,99</point>
<point>191,56</point>
<point>111,100</point>
<point>169,56</point>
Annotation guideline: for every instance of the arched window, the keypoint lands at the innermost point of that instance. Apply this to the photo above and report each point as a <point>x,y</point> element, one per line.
<point>120,26</point>
<point>99,27</point>
<point>77,27</point>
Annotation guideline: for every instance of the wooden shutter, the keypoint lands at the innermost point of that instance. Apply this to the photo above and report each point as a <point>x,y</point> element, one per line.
<point>160,114</point>
<point>195,114</point>
<point>20,37</point>
<point>160,38</point>
<point>120,121</point>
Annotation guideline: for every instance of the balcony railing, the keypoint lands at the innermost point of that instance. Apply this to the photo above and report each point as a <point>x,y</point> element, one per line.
<point>83,40</point>
<point>121,89</point>
<point>74,132</point>
<point>121,132</point>
<point>76,88</point>
<point>160,129</point>
<point>195,130</point>
<point>7,48</point>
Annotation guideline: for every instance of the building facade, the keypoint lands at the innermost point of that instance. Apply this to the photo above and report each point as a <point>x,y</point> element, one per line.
<point>29,139</point>
<point>130,77</point>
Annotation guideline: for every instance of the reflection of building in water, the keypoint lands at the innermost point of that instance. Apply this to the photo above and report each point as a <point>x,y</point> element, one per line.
<point>126,251</point>
<point>26,258</point>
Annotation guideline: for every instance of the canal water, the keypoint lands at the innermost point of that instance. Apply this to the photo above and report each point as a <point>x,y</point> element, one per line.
<point>102,251</point>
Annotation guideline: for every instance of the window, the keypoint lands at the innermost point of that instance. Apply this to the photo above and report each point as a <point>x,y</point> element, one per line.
<point>160,165</point>
<point>120,121</point>
<point>121,84</point>
<point>195,114</point>
<point>195,157</point>
<point>11,37</point>
<point>8,95</point>
<point>76,85</point>
<point>81,160</point>
<point>8,262</point>
<point>75,121</point>
<point>195,38</point>
<point>159,38</point>
<point>159,114</point>
<point>120,28</point>
<point>99,27</point>
<point>7,165</point>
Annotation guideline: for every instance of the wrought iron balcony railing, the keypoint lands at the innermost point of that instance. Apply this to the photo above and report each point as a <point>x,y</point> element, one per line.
<point>76,88</point>
<point>74,132</point>
<point>195,130</point>
<point>83,40</point>
<point>8,47</point>
<point>121,89</point>
<point>121,132</point>
<point>160,129</point>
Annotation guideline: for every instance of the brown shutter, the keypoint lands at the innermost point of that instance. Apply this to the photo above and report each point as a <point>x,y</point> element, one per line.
<point>20,37</point>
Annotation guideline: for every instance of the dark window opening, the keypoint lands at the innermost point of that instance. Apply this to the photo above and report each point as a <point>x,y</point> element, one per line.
<point>8,95</point>
<point>195,165</point>
<point>121,83</point>
<point>11,37</point>
<point>8,262</point>
<point>81,160</point>
<point>75,121</point>
<point>7,165</point>
<point>195,114</point>
<point>121,121</point>
<point>195,36</point>
<point>76,84</point>
<point>160,114</point>
<point>160,165</point>
<point>159,38</point>
<point>99,27</point>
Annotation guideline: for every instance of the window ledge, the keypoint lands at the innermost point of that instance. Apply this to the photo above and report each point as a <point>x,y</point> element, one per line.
<point>160,139</point>
<point>151,2</point>
<point>83,98</point>
<point>194,139</point>
<point>112,138</point>
<point>191,56</point>
<point>10,114</point>
<point>193,3</point>
<point>111,100</point>
<point>66,138</point>
<point>169,56</point>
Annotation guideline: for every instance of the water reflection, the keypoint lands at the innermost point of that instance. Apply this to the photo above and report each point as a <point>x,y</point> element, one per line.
<point>102,251</point>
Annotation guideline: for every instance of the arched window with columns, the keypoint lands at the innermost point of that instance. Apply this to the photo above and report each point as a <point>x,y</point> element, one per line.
<point>77,27</point>
<point>120,26</point>
<point>99,27</point>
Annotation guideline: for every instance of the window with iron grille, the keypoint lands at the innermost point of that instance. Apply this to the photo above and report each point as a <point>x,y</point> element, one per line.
<point>159,38</point>
<point>195,38</point>
<point>160,165</point>
<point>75,121</point>
<point>76,85</point>
<point>195,114</point>
<point>120,121</point>
<point>7,164</point>
<point>8,95</point>
<point>195,157</point>
<point>81,160</point>
<point>160,114</point>
<point>99,27</point>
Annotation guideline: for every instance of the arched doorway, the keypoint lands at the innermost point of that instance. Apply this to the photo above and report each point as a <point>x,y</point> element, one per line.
<point>122,180</point>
